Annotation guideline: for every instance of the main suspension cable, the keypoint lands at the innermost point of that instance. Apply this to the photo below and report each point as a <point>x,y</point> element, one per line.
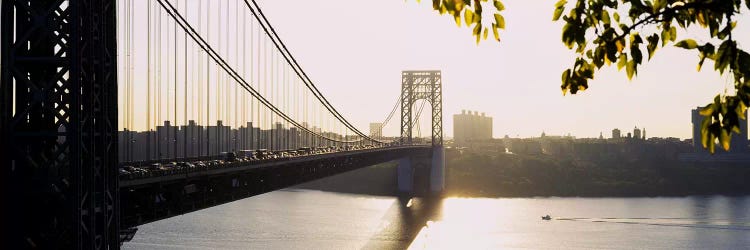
<point>179,19</point>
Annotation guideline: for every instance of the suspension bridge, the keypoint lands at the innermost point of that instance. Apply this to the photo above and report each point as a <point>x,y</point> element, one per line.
<point>118,113</point>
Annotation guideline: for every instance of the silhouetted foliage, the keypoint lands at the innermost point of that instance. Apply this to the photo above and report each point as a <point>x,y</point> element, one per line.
<point>471,11</point>
<point>605,32</point>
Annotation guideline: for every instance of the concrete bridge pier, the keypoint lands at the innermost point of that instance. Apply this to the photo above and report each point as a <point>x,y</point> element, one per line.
<point>422,175</point>
<point>405,176</point>
<point>437,171</point>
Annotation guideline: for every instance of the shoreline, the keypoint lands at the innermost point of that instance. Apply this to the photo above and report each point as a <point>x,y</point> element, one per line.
<point>483,176</point>
<point>455,195</point>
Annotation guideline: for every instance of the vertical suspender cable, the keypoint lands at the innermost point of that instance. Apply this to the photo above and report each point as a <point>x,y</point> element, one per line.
<point>208,82</point>
<point>174,120</point>
<point>264,90</point>
<point>227,95</point>
<point>202,124</point>
<point>273,99</point>
<point>148,81</point>
<point>126,51</point>
<point>168,88</point>
<point>158,87</point>
<point>219,84</point>
<point>282,48</point>
<point>130,85</point>
<point>244,72</point>
<point>257,86</point>
<point>184,99</point>
<point>222,63</point>
<point>236,51</point>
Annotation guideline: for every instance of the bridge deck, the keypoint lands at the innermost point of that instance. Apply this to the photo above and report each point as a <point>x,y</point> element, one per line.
<point>163,194</point>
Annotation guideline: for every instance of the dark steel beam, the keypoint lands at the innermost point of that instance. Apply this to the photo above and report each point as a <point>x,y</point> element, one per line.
<point>58,118</point>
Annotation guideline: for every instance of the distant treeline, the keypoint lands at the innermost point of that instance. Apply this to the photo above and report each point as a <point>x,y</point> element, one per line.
<point>490,174</point>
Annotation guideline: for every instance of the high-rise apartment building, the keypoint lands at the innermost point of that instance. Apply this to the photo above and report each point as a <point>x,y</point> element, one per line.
<point>471,126</point>
<point>376,130</point>
<point>616,134</point>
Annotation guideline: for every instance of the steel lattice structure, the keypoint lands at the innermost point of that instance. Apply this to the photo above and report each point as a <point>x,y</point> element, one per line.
<point>58,122</point>
<point>417,85</point>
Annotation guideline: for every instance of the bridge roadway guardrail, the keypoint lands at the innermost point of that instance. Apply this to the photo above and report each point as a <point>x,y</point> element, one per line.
<point>177,173</point>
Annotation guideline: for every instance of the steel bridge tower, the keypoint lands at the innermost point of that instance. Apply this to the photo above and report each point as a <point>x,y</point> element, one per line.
<point>422,85</point>
<point>58,124</point>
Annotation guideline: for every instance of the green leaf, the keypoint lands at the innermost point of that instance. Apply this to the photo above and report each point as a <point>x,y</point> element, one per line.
<point>672,33</point>
<point>722,57</point>
<point>558,12</point>
<point>743,62</point>
<point>498,5</point>
<point>477,31</point>
<point>725,139</point>
<point>495,33</point>
<point>500,21</point>
<point>637,55</point>
<point>687,44</point>
<point>658,5</point>
<point>665,37</point>
<point>707,111</point>
<point>605,17</point>
<point>561,3</point>
<point>705,133</point>
<point>469,17</point>
<point>653,42</point>
<point>700,62</point>
<point>635,39</point>
<point>622,61</point>
<point>630,69</point>
<point>565,81</point>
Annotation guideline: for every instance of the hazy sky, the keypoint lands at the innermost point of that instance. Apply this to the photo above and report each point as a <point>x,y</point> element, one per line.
<point>355,51</point>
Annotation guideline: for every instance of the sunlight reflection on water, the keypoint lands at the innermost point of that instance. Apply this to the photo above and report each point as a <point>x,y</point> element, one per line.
<point>299,219</point>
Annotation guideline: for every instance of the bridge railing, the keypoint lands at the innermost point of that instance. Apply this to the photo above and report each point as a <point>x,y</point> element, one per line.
<point>148,169</point>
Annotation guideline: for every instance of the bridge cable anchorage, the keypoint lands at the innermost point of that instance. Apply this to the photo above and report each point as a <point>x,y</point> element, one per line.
<point>298,70</point>
<point>179,19</point>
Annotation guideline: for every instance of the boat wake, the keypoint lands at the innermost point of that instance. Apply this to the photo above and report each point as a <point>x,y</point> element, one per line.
<point>721,224</point>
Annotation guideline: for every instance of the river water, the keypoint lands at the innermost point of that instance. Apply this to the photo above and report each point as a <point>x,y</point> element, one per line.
<point>302,219</point>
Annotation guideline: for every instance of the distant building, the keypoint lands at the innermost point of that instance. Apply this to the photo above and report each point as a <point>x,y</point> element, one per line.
<point>637,133</point>
<point>524,146</point>
<point>739,140</point>
<point>616,134</point>
<point>376,130</point>
<point>471,126</point>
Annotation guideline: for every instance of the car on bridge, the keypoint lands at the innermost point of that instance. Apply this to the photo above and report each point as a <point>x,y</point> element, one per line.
<point>228,156</point>
<point>262,154</point>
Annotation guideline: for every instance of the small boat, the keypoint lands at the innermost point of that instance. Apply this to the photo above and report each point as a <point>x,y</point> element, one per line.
<point>546,217</point>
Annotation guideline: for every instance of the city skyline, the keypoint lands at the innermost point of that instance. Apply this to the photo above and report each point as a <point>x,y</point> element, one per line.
<point>501,78</point>
<point>499,81</point>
